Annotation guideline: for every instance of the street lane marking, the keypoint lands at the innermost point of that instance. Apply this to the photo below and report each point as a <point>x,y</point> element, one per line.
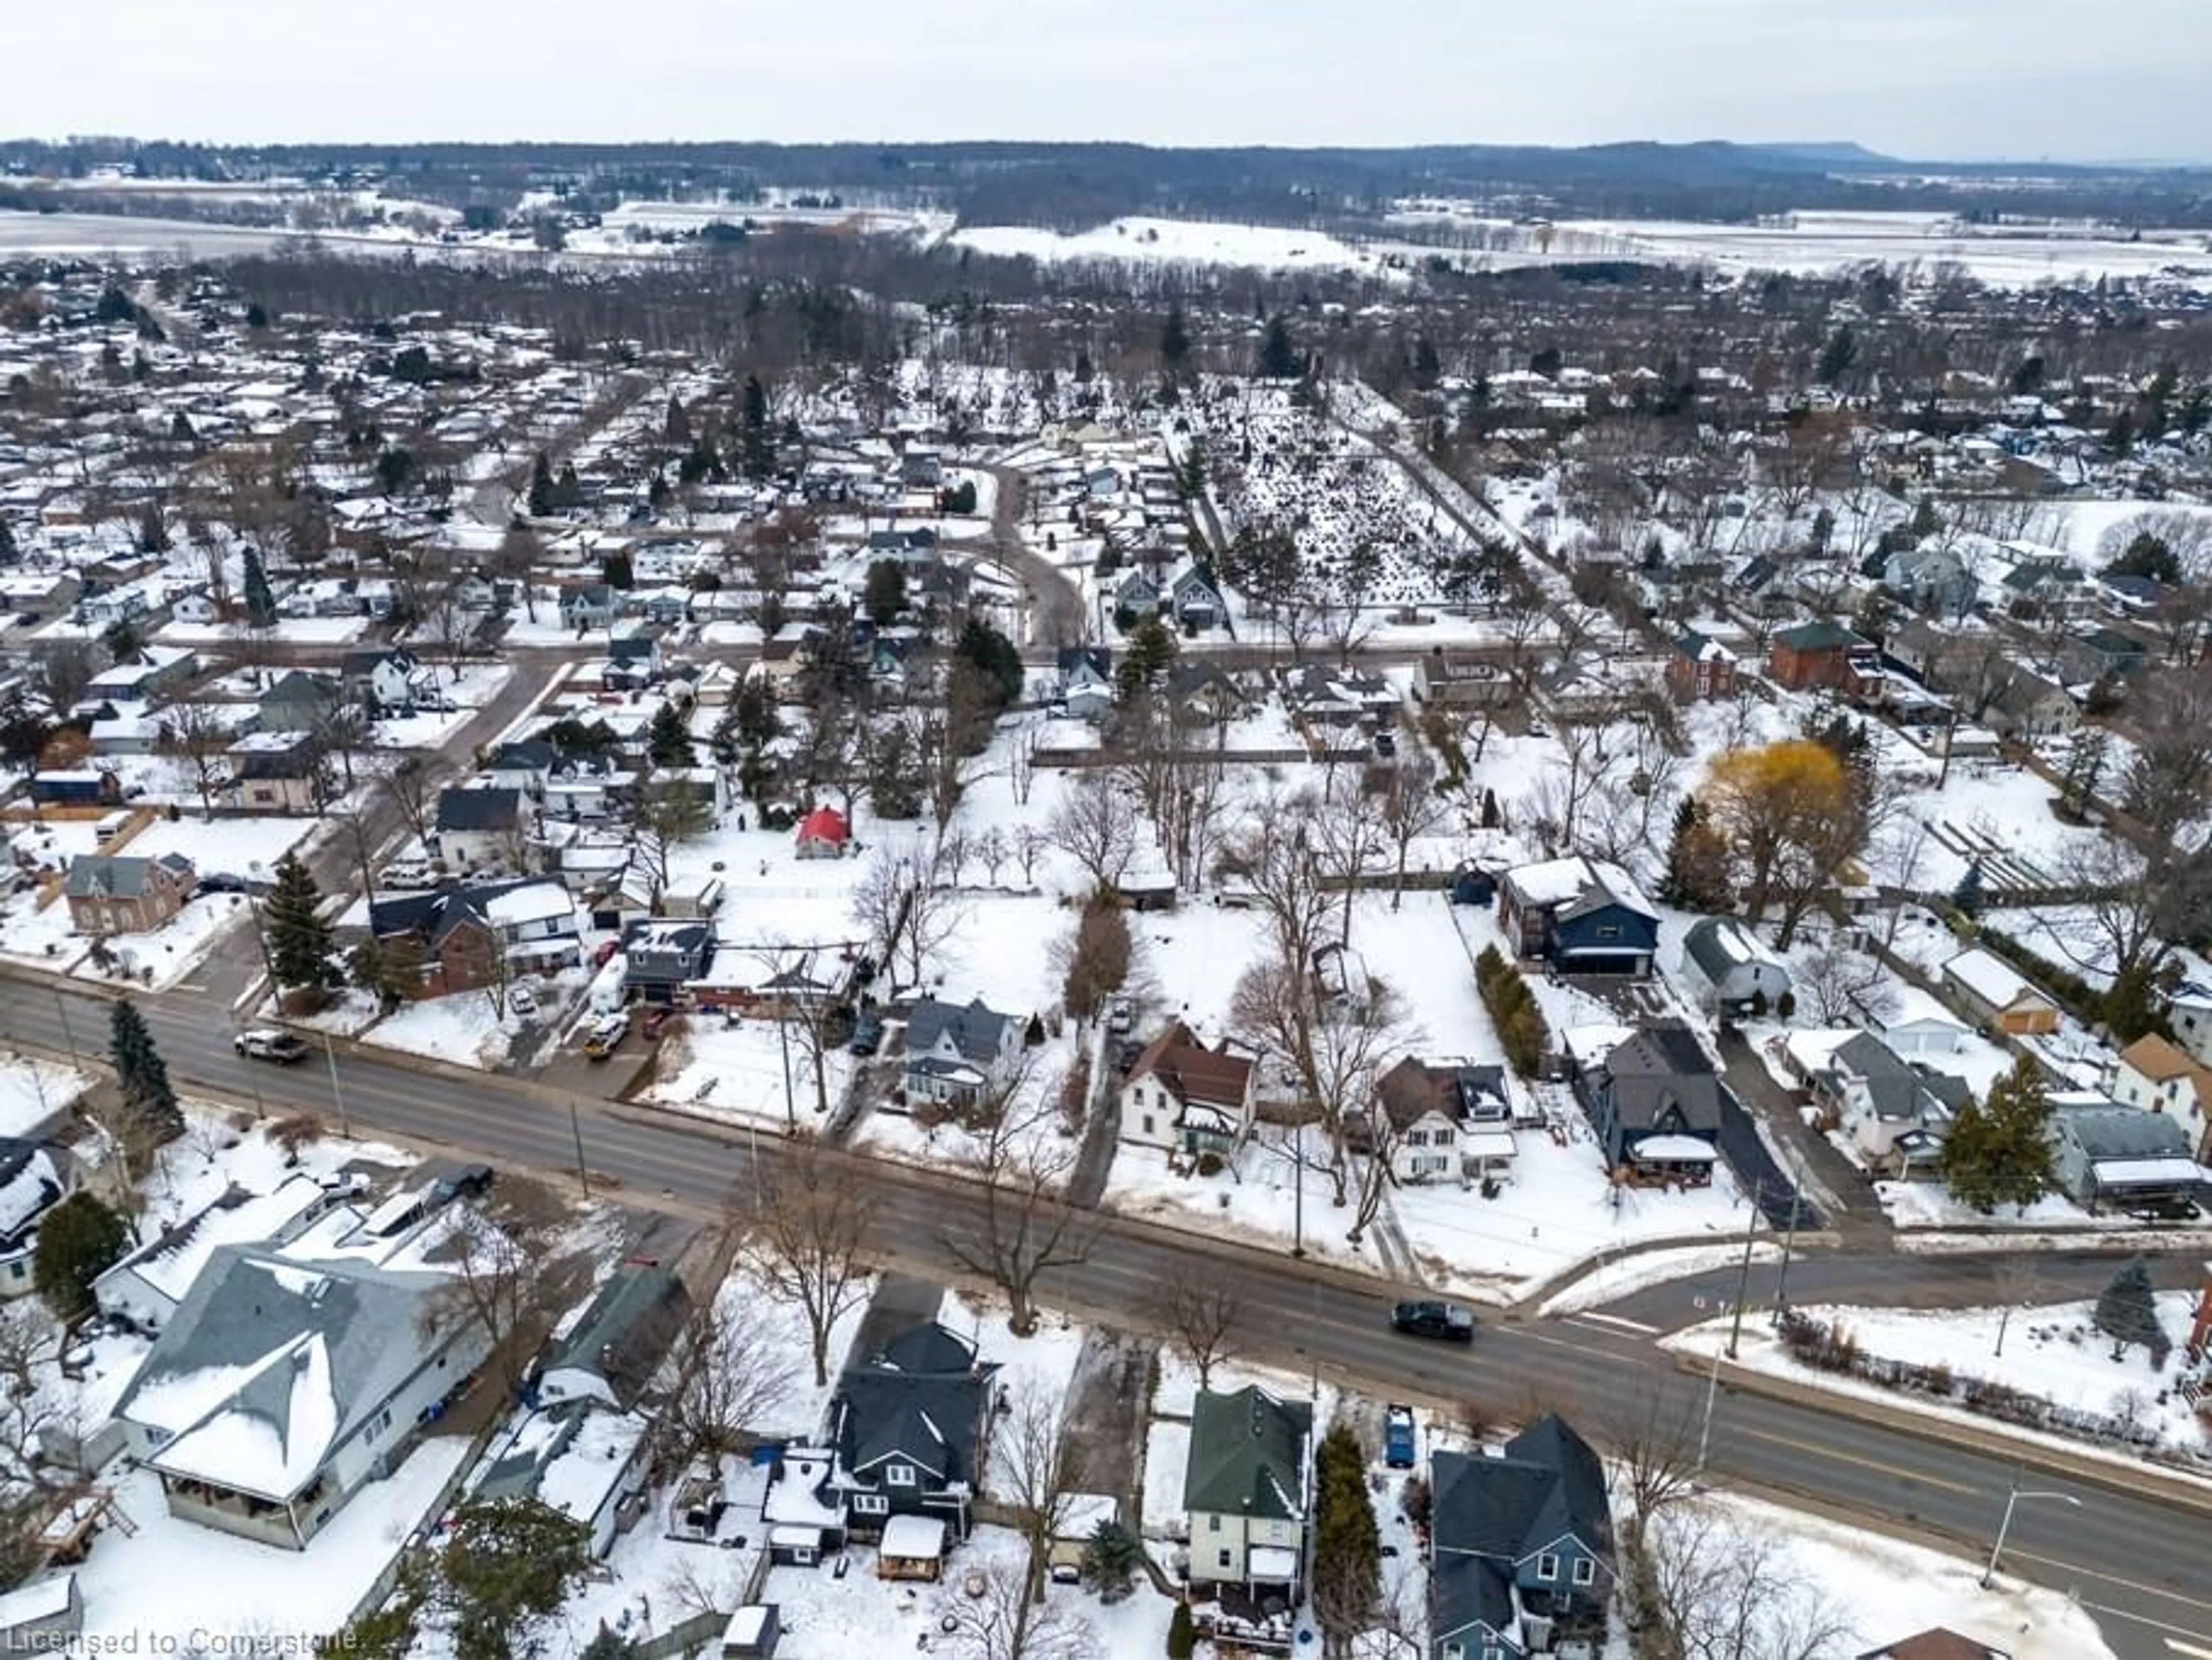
<point>1625,1323</point>
<point>2188,1649</point>
<point>1819,1452</point>
<point>2111,1579</point>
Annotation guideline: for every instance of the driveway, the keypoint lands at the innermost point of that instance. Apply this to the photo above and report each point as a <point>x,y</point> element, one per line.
<point>1832,1179</point>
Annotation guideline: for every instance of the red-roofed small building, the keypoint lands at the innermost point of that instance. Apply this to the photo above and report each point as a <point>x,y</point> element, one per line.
<point>823,834</point>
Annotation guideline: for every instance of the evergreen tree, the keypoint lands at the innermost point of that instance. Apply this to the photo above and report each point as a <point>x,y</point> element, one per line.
<point>505,1567</point>
<point>2087,752</point>
<point>1175,339</point>
<point>2129,1007</point>
<point>675,425</point>
<point>1347,1547</point>
<point>2127,1312</point>
<point>260,602</point>
<point>300,949</point>
<point>152,531</point>
<point>883,594</point>
<point>1278,355</point>
<point>384,969</point>
<point>996,658</point>
<point>1183,1636</point>
<point>1840,354</point>
<point>7,555</point>
<point>1997,1150</point>
<point>1145,659</point>
<point>1426,367</point>
<point>756,445</point>
<point>1085,373</point>
<point>1697,861</point>
<point>894,775</point>
<point>149,1113</point>
<point>668,739</point>
<point>1110,1560</point>
<point>1968,896</point>
<point>541,486</point>
<point>79,1240</point>
<point>1493,816</point>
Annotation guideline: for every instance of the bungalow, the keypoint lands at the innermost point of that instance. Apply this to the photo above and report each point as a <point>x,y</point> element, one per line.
<point>2100,652</point>
<point>611,1353</point>
<point>1197,600</point>
<point>2107,1156</point>
<point>1137,597</point>
<point>115,893</point>
<point>1585,916</point>
<point>285,1382</point>
<point>1823,655</point>
<point>911,1426</point>
<point>476,826</point>
<point>1520,1552</point>
<point>589,605</point>
<point>1700,670</point>
<point>157,673</point>
<point>1996,994</point>
<point>1247,1491</point>
<point>587,1465</point>
<point>954,1053</point>
<point>1187,1098</point>
<point>1728,966</point>
<point>1655,1103</point>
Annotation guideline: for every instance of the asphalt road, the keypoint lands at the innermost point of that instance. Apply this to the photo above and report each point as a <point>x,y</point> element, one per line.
<point>2137,1564</point>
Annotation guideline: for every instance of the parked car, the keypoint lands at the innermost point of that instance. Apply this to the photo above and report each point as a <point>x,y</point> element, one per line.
<point>1386,747</point>
<point>867,1034</point>
<point>521,1000</point>
<point>407,875</point>
<point>469,1181</point>
<point>1121,1015</point>
<point>605,1033</point>
<point>1447,1321</point>
<point>262,1044</point>
<point>1399,1451</point>
<point>605,954</point>
<point>218,883</point>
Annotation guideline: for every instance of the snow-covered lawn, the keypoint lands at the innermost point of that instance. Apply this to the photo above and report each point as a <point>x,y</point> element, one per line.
<point>234,847</point>
<point>2050,1352</point>
<point>462,1029</point>
<point>1930,1204</point>
<point>160,959</point>
<point>1918,1588</point>
<point>478,685</point>
<point>173,1577</point>
<point>32,1092</point>
<point>751,1073</point>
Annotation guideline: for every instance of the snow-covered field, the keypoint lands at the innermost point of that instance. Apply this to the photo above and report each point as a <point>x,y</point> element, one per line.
<point>32,1092</point>
<point>463,1029</point>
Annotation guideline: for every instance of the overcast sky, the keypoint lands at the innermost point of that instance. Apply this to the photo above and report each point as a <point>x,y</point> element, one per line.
<point>1918,78</point>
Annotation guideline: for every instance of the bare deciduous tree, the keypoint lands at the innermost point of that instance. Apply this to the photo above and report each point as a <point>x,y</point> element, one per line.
<point>996,1619</point>
<point>1205,1316</point>
<point>1021,1228</point>
<point>1095,825</point>
<point>508,1274</point>
<point>806,1231</point>
<point>910,907</point>
<point>1037,1470</point>
<point>198,738</point>
<point>723,1375</point>
<point>1652,1435</point>
<point>1710,1590</point>
<point>1839,986</point>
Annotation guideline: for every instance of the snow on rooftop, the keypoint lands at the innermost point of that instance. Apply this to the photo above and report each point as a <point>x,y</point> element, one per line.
<point>171,1269</point>
<point>1989,976</point>
<point>539,902</point>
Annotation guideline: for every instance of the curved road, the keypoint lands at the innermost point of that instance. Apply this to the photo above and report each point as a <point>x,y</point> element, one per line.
<point>2136,1562</point>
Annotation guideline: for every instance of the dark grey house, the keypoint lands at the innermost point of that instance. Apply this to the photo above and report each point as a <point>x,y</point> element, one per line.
<point>910,1428</point>
<point>661,958</point>
<point>1520,1547</point>
<point>1584,916</point>
<point>299,701</point>
<point>1655,1103</point>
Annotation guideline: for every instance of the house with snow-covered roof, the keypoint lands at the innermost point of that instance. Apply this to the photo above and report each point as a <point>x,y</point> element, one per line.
<point>283,1383</point>
<point>1584,915</point>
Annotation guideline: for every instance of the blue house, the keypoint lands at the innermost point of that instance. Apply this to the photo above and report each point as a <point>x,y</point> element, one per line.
<point>1520,1547</point>
<point>1583,915</point>
<point>1655,1103</point>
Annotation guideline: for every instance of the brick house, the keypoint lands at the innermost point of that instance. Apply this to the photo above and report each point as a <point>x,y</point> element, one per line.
<point>115,893</point>
<point>1824,654</point>
<point>1700,670</point>
<point>472,936</point>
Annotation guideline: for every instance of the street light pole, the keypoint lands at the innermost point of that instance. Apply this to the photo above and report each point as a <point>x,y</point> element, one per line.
<point>338,1095</point>
<point>1743,1273</point>
<point>61,1006</point>
<point>1788,1240</point>
<point>576,1128</point>
<point>2004,1526</point>
<point>1706,1430</point>
<point>1298,1190</point>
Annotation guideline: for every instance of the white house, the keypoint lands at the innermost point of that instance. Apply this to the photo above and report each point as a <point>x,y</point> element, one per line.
<point>1185,1098</point>
<point>954,1052</point>
<point>1247,1490</point>
<point>2191,1010</point>
<point>288,1378</point>
<point>588,1464</point>
<point>145,1289</point>
<point>31,1184</point>
<point>2156,1076</point>
<point>1730,966</point>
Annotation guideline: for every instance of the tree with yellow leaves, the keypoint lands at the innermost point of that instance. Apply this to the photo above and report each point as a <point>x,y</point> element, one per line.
<point>1793,820</point>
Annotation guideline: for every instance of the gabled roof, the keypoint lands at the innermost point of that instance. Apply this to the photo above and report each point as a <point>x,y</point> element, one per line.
<point>1549,1486</point>
<point>1938,1643</point>
<point>494,809</point>
<point>270,1363</point>
<point>1658,1069</point>
<point>1194,1074</point>
<point>2104,1130</point>
<point>435,914</point>
<point>626,1330</point>
<point>1820,634</point>
<point>977,1031</point>
<point>2157,1059</point>
<point>1248,1455</point>
<point>921,1399</point>
<point>120,876</point>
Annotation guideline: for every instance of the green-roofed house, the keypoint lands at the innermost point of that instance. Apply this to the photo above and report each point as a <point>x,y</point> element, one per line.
<point>613,1351</point>
<point>1247,1490</point>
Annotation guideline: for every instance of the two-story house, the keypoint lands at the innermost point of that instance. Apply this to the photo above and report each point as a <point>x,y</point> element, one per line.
<point>1655,1102</point>
<point>1459,680</point>
<point>1448,1120</point>
<point>1085,684</point>
<point>33,1180</point>
<point>1247,1491</point>
<point>483,933</point>
<point>1895,1114</point>
<point>661,956</point>
<point>1187,1098</point>
<point>381,679</point>
<point>1822,654</point>
<point>1731,966</point>
<point>610,1355</point>
<point>955,1052</point>
<point>910,1430</point>
<point>117,893</point>
<point>1700,669</point>
<point>1520,1551</point>
<point>1584,916</point>
<point>476,827</point>
<point>283,771</point>
<point>299,700</point>
<point>2156,1075</point>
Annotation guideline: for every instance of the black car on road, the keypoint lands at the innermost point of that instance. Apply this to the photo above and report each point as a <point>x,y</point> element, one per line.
<point>1447,1321</point>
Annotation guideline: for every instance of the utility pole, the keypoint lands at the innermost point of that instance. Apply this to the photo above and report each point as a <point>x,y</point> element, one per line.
<point>576,1128</point>
<point>1788,1240</point>
<point>61,1007</point>
<point>1298,1190</point>
<point>1743,1273</point>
